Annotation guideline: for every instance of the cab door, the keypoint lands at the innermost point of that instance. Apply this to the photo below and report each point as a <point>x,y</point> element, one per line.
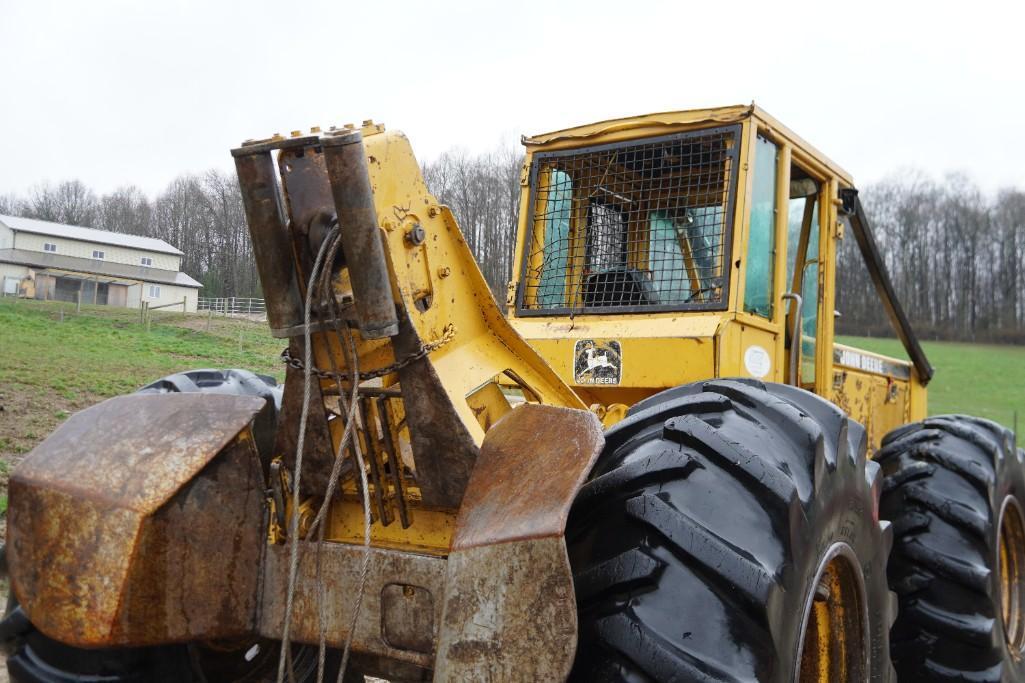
<point>752,342</point>
<point>810,272</point>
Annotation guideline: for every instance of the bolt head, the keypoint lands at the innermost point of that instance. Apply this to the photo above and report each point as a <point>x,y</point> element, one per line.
<point>416,235</point>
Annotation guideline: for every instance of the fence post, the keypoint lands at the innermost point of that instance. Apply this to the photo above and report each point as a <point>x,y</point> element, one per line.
<point>78,300</point>
<point>142,312</point>
<point>185,301</point>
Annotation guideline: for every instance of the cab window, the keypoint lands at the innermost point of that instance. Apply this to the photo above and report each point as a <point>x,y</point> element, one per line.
<point>682,252</point>
<point>761,245</point>
<point>803,263</point>
<point>557,215</point>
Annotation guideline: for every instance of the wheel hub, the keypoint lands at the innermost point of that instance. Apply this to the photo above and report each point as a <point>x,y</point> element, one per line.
<point>834,632</point>
<point>1012,574</point>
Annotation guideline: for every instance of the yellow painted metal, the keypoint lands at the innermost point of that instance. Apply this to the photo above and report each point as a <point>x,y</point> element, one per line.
<point>430,533</point>
<point>835,647</point>
<point>488,403</point>
<point>484,340</point>
<point>1012,574</point>
<point>438,283</point>
<point>662,350</point>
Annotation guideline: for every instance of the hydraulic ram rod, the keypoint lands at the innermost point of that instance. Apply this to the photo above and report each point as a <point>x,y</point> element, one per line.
<point>347,169</point>
<point>258,181</point>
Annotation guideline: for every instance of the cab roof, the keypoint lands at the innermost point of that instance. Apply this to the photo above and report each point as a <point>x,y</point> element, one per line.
<point>632,127</point>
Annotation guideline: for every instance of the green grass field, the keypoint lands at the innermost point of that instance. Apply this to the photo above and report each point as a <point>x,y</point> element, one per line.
<point>978,379</point>
<point>51,367</point>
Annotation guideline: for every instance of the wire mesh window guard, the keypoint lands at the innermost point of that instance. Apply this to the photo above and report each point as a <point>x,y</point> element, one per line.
<point>631,226</point>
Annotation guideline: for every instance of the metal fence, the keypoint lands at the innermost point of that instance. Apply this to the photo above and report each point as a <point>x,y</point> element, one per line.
<point>232,306</point>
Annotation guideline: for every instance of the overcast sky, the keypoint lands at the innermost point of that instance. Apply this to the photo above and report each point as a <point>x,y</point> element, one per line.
<point>139,92</point>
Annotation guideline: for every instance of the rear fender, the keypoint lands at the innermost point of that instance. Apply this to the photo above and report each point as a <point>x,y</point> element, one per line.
<point>138,521</point>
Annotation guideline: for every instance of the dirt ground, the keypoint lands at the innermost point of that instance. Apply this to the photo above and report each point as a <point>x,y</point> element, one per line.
<point>27,415</point>
<point>22,407</point>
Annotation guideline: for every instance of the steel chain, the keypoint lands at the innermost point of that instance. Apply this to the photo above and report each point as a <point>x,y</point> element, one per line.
<point>448,334</point>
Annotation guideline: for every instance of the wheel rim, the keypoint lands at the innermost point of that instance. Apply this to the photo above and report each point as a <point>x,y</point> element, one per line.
<point>1012,573</point>
<point>833,643</point>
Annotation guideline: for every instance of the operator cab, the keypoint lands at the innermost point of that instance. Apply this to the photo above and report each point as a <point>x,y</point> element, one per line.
<point>686,246</point>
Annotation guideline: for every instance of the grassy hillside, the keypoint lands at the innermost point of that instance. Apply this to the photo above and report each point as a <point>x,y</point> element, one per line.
<point>978,379</point>
<point>51,367</point>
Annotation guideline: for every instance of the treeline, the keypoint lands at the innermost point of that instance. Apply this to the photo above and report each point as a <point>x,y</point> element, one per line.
<point>483,191</point>
<point>955,254</point>
<point>200,214</point>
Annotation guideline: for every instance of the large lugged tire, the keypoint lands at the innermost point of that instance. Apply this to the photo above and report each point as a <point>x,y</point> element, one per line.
<point>237,383</point>
<point>722,520</point>
<point>36,658</point>
<point>955,491</point>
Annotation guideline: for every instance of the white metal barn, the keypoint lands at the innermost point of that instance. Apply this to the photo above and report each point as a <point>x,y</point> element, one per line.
<point>44,260</point>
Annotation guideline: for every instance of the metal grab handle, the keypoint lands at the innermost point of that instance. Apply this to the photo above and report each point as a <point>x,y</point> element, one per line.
<point>795,335</point>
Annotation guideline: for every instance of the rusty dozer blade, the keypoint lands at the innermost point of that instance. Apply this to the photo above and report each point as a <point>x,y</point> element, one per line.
<point>139,522</point>
<point>510,612</point>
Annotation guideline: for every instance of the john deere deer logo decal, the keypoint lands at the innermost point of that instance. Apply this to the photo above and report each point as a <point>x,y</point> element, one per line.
<point>597,362</point>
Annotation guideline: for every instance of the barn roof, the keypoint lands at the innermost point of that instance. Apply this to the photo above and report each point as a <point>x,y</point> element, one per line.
<point>77,232</point>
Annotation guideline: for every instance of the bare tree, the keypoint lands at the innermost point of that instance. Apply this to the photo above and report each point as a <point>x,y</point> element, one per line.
<point>483,192</point>
<point>955,257</point>
<point>126,210</point>
<point>11,205</point>
<point>70,202</point>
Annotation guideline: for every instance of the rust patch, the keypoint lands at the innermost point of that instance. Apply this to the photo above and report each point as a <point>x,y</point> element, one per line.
<point>341,566</point>
<point>319,454</point>
<point>127,529</point>
<point>510,612</point>
<point>407,617</point>
<point>531,464</point>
